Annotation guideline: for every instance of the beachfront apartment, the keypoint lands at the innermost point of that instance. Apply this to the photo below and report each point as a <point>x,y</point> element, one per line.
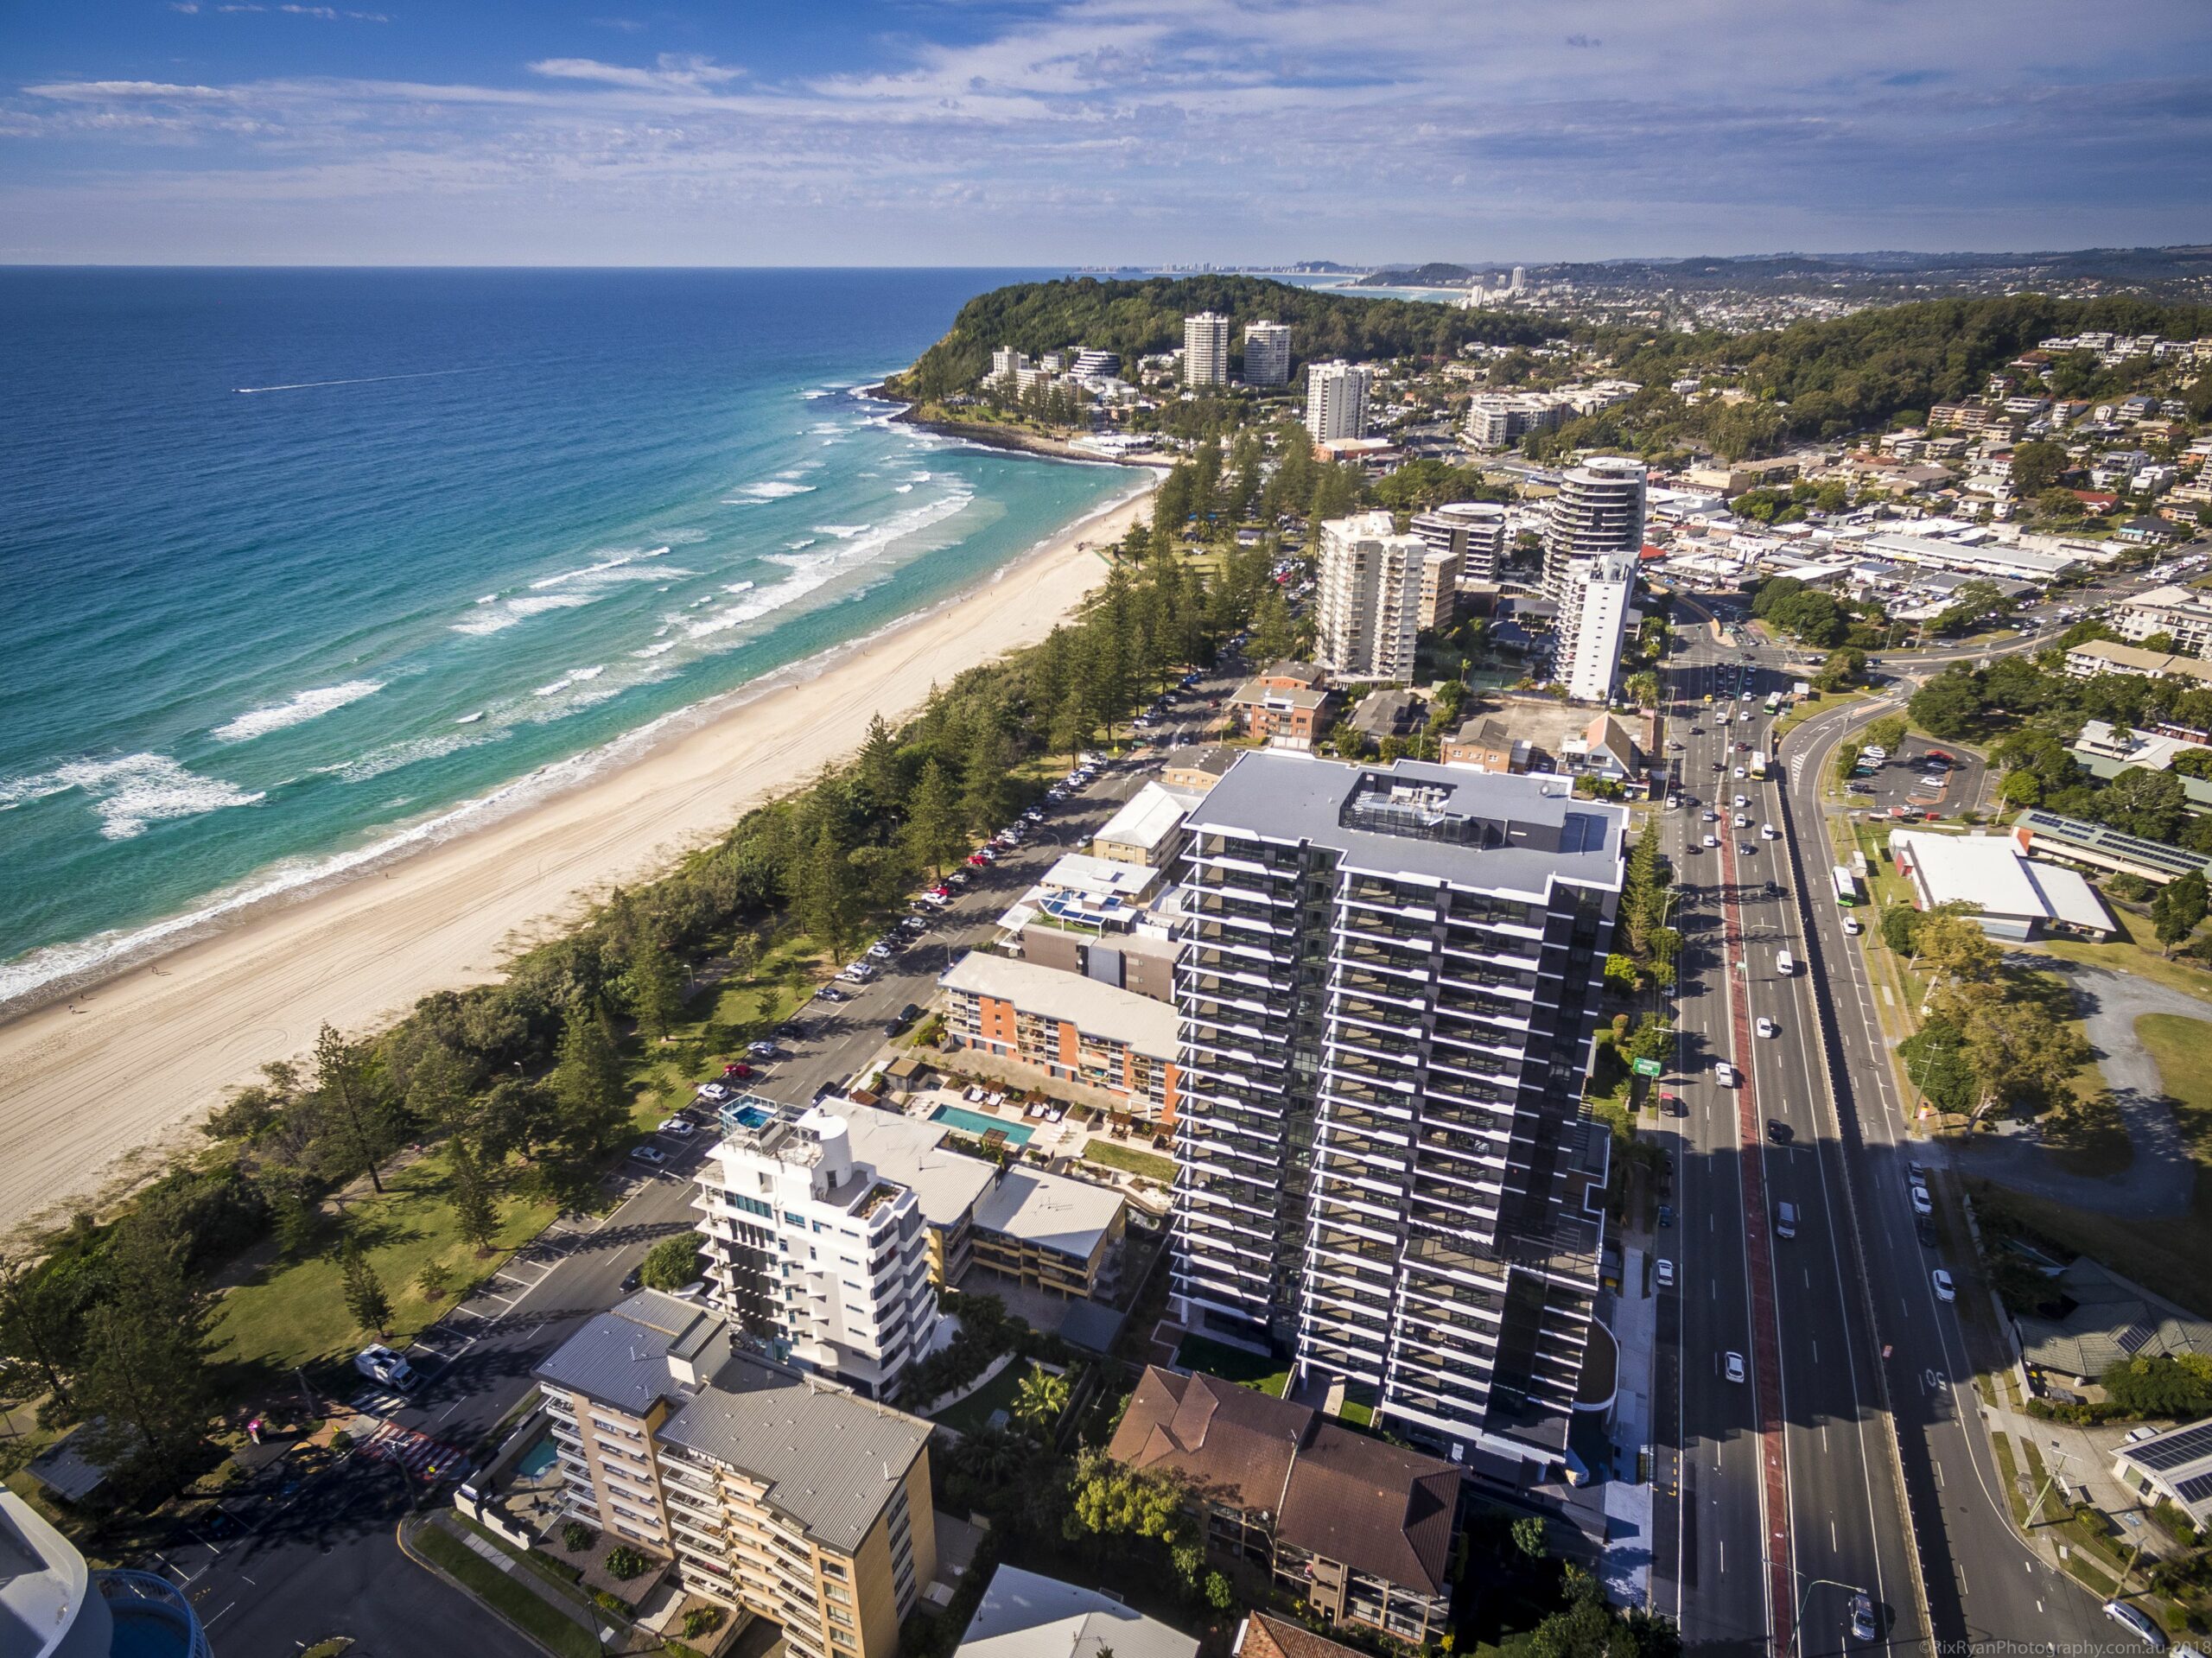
<point>812,1251</point>
<point>1068,1027</point>
<point>1385,1170</point>
<point>774,1492</point>
<point>1045,1230</point>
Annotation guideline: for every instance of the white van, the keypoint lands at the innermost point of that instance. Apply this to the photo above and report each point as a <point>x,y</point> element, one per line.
<point>1784,962</point>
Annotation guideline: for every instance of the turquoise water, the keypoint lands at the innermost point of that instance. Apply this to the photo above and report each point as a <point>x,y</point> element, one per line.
<point>976,1123</point>
<point>539,1458</point>
<point>304,565</point>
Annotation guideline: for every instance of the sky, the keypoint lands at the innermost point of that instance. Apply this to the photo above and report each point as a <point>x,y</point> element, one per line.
<point>1066,132</point>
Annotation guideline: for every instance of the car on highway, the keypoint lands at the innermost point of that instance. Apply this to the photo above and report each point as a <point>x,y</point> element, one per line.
<point>1741,821</point>
<point>1662,1274</point>
<point>1739,771</point>
<point>1712,818</point>
<point>1711,840</point>
<point>1741,801</point>
<point>1863,1626</point>
<point>1945,1290</point>
<point>1670,1105</point>
<point>2138,1621</point>
<point>652,1155</point>
<point>1732,1366</point>
<point>1725,1073</point>
<point>1779,1132</point>
<point>1851,925</point>
<point>1666,1214</point>
<point>1767,1026</point>
<point>1768,832</point>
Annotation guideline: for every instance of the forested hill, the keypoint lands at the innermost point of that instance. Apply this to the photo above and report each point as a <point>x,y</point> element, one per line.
<point>1136,318</point>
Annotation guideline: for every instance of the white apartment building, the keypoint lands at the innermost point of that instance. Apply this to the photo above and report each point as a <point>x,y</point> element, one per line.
<point>813,1253</point>
<point>1005,360</point>
<point>1497,419</point>
<point>1267,353</point>
<point>1369,608</point>
<point>1591,622</point>
<point>1335,400</point>
<point>2182,612</point>
<point>1598,509</point>
<point>1206,349</point>
<point>1474,530</point>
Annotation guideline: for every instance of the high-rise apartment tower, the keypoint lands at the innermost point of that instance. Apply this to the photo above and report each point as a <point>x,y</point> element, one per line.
<point>1206,349</point>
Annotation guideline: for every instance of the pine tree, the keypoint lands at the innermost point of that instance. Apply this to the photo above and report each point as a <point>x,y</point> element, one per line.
<point>588,1087</point>
<point>475,1213</point>
<point>653,988</point>
<point>828,901</point>
<point>437,1089</point>
<point>1073,727</point>
<point>144,1370</point>
<point>933,832</point>
<point>365,1292</point>
<point>360,1122</point>
<point>986,785</point>
<point>876,771</point>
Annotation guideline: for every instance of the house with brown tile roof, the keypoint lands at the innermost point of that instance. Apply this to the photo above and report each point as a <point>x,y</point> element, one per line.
<point>1361,1530</point>
<point>1264,1637</point>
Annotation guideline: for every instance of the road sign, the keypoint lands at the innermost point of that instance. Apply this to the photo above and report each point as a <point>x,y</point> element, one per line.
<point>1648,1068</point>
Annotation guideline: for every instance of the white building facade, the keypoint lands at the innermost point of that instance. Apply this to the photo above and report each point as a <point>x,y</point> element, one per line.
<point>1335,400</point>
<point>1368,611</point>
<point>1473,530</point>
<point>1267,353</point>
<point>812,1253</point>
<point>1591,620</point>
<point>1206,349</point>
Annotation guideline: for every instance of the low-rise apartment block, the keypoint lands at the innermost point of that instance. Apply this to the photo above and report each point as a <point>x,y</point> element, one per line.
<point>1359,1529</point>
<point>774,1492</point>
<point>2096,656</point>
<point>2185,612</point>
<point>1288,705</point>
<point>1069,1026</point>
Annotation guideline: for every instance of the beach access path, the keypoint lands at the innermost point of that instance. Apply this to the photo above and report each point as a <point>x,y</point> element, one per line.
<point>97,1090</point>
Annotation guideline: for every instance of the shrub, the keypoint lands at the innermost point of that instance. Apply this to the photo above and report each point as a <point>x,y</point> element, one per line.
<point>623,1563</point>
<point>576,1537</point>
<point>607,1602</point>
<point>702,1620</point>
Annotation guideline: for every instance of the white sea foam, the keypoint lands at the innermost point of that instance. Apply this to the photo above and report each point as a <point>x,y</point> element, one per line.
<point>574,677</point>
<point>660,649</point>
<point>413,750</point>
<point>591,574</point>
<point>801,545</point>
<point>127,793</point>
<point>740,587</point>
<point>842,532</point>
<point>570,590</point>
<point>297,710</point>
<point>860,544</point>
<point>774,489</point>
<point>902,489</point>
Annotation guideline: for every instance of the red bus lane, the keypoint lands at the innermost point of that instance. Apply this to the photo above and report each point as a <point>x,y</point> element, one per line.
<point>1759,1255</point>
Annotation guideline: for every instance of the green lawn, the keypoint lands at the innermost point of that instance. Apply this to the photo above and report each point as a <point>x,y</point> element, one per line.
<point>1115,1155</point>
<point>2126,954</point>
<point>294,1313</point>
<point>973,1414</point>
<point>518,1603</point>
<point>736,1011</point>
<point>1233,1364</point>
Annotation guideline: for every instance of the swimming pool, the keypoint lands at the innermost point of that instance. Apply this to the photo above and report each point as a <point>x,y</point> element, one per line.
<point>539,1458</point>
<point>976,1123</point>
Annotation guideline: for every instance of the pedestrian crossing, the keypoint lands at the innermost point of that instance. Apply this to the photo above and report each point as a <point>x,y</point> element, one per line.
<point>421,1456</point>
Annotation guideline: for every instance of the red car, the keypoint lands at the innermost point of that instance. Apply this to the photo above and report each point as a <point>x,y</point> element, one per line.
<point>739,1071</point>
<point>976,859</point>
<point>941,890</point>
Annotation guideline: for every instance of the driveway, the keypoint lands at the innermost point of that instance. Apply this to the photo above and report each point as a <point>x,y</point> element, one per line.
<point>2160,1182</point>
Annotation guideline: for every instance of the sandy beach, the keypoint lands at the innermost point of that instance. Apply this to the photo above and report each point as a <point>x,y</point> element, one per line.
<point>95,1090</point>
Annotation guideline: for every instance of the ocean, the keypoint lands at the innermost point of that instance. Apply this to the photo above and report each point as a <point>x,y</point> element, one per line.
<point>302,566</point>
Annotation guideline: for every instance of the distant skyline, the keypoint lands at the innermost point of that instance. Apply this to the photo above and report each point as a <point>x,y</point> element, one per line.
<point>979,132</point>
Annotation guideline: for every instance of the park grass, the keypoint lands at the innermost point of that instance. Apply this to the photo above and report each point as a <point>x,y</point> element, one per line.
<point>724,1018</point>
<point>2167,1255</point>
<point>1127,1159</point>
<point>2128,953</point>
<point>517,1602</point>
<point>293,1313</point>
<point>1233,1365</point>
<point>973,1414</point>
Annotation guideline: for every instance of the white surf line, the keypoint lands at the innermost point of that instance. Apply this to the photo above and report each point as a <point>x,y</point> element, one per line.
<point>365,379</point>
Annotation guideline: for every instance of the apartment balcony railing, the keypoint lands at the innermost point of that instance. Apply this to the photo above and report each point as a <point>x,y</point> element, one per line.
<point>150,1615</point>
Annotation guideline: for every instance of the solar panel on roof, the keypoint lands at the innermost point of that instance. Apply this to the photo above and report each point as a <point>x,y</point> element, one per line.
<point>2195,1489</point>
<point>2182,1445</point>
<point>2132,1337</point>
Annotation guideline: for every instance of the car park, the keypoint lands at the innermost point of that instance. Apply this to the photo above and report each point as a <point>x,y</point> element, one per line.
<point>1945,1290</point>
<point>1732,1366</point>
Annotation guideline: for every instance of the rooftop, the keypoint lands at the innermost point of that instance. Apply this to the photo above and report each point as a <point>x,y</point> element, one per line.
<point>1050,1210</point>
<point>1024,1615</point>
<point>1096,1008</point>
<point>1150,816</point>
<point>1344,1495</point>
<point>620,1357</point>
<point>1989,872</point>
<point>2106,1319</point>
<point>1447,823</point>
<point>945,1183</point>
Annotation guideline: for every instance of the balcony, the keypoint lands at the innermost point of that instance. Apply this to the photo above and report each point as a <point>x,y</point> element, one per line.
<point>151,1617</point>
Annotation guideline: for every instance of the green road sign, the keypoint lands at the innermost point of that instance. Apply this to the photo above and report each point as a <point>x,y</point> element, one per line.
<point>1648,1068</point>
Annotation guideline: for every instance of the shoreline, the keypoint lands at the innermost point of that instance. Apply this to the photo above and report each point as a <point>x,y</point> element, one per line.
<point>110,1070</point>
<point>986,434</point>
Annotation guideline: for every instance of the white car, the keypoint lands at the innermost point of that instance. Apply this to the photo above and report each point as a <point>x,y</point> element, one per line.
<point>713,1091</point>
<point>1732,1366</point>
<point>1923,1205</point>
<point>1739,772</point>
<point>652,1155</point>
<point>1851,925</point>
<point>1711,840</point>
<point>1741,801</point>
<point>2137,1621</point>
<point>1768,832</point>
<point>1662,1274</point>
<point>1742,822</point>
<point>1945,1290</point>
<point>382,1364</point>
<point>680,1127</point>
<point>1725,1073</point>
<point>1768,1027</point>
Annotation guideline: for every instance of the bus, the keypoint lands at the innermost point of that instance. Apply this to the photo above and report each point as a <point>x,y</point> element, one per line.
<point>1774,702</point>
<point>1847,889</point>
<point>1759,762</point>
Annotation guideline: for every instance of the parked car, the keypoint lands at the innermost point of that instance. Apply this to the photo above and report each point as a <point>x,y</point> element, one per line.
<point>1921,1202</point>
<point>381,1364</point>
<point>682,1128</point>
<point>740,1070</point>
<point>652,1155</point>
<point>762,1050</point>
<point>1666,1214</point>
<point>2138,1621</point>
<point>714,1091</point>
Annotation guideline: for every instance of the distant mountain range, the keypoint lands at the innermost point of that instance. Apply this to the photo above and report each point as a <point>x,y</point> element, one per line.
<point>2165,271</point>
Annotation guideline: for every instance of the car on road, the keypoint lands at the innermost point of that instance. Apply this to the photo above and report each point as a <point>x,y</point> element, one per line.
<point>1863,1626</point>
<point>1779,1132</point>
<point>682,1128</point>
<point>1662,1274</point>
<point>633,1278</point>
<point>652,1155</point>
<point>1666,1214</point>
<point>381,1364</point>
<point>1945,1290</point>
<point>1732,1366</point>
<point>740,1070</point>
<point>1725,1073</point>
<point>2138,1621</point>
<point>1670,1104</point>
<point>716,1091</point>
<point>1742,821</point>
<point>1739,771</point>
<point>1767,1026</point>
<point>1921,1202</point>
<point>1741,801</point>
<point>1744,849</point>
<point>762,1050</point>
<point>1851,925</point>
<point>1768,832</point>
<point>1712,818</point>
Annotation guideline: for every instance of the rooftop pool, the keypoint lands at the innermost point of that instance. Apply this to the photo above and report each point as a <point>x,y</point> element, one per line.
<point>980,1123</point>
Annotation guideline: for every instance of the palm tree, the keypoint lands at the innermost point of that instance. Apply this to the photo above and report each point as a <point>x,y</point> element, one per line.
<point>1042,1400</point>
